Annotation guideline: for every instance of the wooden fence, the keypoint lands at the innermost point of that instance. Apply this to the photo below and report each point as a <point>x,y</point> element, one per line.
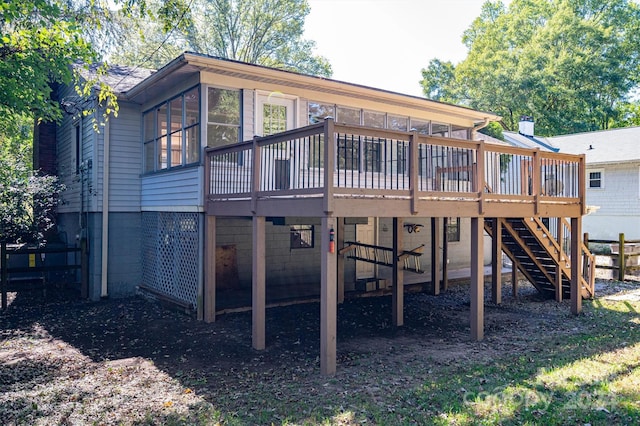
<point>623,261</point>
<point>15,277</point>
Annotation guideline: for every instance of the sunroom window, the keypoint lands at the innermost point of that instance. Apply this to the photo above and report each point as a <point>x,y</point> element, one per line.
<point>171,132</point>
<point>223,117</point>
<point>349,156</point>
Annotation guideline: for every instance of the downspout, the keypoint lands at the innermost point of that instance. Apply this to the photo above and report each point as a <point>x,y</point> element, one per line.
<point>105,211</point>
<point>480,126</point>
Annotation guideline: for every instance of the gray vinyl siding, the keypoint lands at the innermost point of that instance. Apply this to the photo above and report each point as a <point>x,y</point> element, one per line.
<point>75,186</point>
<point>173,189</point>
<point>125,160</point>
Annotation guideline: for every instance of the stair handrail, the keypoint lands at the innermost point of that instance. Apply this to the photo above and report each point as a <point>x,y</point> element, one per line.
<point>588,273</point>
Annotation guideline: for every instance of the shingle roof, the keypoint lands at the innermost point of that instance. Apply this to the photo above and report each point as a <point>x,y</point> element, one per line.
<point>605,146</point>
<point>523,141</point>
<point>121,78</point>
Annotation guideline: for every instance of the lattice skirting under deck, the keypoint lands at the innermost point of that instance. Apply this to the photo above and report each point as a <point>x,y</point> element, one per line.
<point>171,260</point>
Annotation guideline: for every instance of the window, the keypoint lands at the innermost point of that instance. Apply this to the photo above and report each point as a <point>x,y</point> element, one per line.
<point>397,122</point>
<point>596,179</point>
<point>374,119</point>
<point>421,126</point>
<point>440,129</point>
<point>355,116</point>
<point>171,132</point>
<point>318,112</point>
<point>453,229</point>
<point>274,119</point>
<point>223,117</point>
<point>301,236</point>
<point>459,132</point>
<point>348,115</point>
<point>349,149</point>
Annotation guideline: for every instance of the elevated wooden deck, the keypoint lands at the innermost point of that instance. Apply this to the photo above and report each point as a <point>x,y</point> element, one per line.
<point>335,171</point>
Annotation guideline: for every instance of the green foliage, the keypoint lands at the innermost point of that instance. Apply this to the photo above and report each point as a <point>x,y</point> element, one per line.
<point>437,79</point>
<point>37,47</point>
<point>494,130</point>
<point>569,63</point>
<point>628,115</point>
<point>40,40</point>
<point>27,200</point>
<point>263,32</point>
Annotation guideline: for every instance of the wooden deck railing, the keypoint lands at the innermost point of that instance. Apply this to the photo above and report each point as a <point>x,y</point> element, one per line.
<point>332,160</point>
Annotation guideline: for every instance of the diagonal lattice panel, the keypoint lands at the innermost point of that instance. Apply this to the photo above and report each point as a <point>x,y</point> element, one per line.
<point>171,254</point>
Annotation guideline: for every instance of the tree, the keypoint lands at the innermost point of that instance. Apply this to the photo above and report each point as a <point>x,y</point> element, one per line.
<point>569,63</point>
<point>37,47</point>
<point>263,32</point>
<point>438,79</point>
<point>628,115</point>
<point>44,43</point>
<point>27,200</point>
<point>41,39</point>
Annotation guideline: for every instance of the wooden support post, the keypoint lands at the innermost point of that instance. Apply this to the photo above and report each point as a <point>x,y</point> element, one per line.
<point>496,262</point>
<point>435,255</point>
<point>560,258</point>
<point>340,258</point>
<point>328,302</point>
<point>514,279</point>
<point>397,295</point>
<point>477,280</point>
<point>209,314</point>
<point>621,258</point>
<point>576,265</point>
<point>3,279</point>
<point>445,254</point>
<point>258,288</point>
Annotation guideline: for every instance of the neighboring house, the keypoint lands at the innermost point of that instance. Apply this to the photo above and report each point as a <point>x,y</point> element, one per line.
<point>613,175</point>
<point>332,185</point>
<point>613,180</point>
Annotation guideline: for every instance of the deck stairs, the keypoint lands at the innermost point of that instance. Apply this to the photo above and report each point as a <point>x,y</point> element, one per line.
<point>544,260</point>
<point>410,259</point>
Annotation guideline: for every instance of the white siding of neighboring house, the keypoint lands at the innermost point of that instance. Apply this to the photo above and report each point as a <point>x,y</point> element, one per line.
<point>619,202</point>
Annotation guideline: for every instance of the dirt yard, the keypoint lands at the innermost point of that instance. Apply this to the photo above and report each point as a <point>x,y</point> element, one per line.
<point>135,362</point>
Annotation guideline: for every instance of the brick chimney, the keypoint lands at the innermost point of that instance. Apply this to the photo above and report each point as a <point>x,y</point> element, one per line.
<point>525,127</point>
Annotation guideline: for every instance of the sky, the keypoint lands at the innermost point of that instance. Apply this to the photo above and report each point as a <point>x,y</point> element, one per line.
<point>386,43</point>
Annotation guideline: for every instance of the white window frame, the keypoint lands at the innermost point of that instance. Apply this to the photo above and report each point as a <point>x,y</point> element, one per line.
<point>601,171</point>
<point>205,105</point>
